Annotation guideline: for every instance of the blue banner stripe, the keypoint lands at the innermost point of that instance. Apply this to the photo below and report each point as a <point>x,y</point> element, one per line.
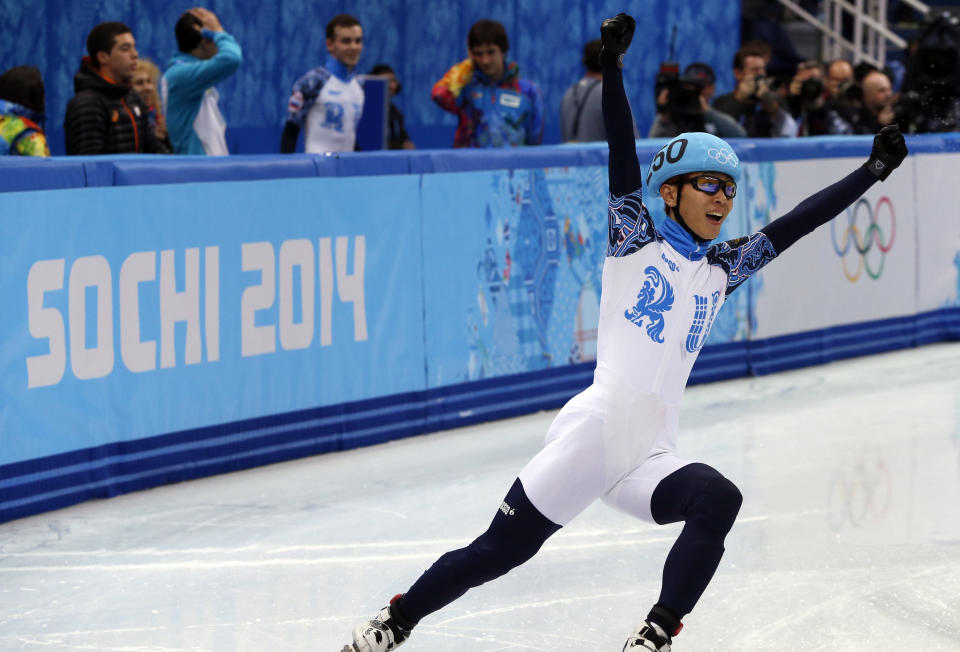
<point>49,483</point>
<point>345,419</point>
<point>78,172</point>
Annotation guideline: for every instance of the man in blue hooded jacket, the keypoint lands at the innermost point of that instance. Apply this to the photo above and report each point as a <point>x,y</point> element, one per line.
<point>207,56</point>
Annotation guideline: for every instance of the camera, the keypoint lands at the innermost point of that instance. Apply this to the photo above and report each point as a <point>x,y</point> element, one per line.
<point>811,90</point>
<point>929,99</point>
<point>668,75</point>
<point>683,97</point>
<point>684,107</point>
<point>851,92</point>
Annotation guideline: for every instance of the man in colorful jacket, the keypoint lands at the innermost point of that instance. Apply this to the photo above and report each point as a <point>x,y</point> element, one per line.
<point>207,56</point>
<point>495,107</point>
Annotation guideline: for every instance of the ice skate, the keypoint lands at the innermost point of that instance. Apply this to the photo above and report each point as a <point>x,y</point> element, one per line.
<point>380,634</point>
<point>649,636</point>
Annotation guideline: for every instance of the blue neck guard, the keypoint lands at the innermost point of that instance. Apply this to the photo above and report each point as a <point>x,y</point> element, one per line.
<point>681,240</point>
<point>339,70</point>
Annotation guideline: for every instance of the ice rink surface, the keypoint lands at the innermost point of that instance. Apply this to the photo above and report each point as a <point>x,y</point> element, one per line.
<point>848,539</point>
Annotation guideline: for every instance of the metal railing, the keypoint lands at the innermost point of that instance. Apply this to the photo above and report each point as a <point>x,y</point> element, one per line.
<point>870,32</point>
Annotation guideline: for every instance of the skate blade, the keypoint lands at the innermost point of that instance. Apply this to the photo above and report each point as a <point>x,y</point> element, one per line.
<point>349,648</point>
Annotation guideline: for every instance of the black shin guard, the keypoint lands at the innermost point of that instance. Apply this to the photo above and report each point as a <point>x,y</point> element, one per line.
<point>708,503</point>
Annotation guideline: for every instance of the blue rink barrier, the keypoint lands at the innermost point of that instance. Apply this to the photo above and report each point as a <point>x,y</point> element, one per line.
<point>169,318</point>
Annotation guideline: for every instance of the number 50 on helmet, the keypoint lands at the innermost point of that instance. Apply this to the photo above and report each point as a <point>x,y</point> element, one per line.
<point>692,152</point>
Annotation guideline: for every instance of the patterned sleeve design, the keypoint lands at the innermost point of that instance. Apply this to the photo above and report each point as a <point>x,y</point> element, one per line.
<point>446,92</point>
<point>742,258</point>
<point>629,223</point>
<point>534,127</point>
<point>33,144</point>
<point>305,92</point>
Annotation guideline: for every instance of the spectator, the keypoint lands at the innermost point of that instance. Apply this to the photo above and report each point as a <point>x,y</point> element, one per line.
<point>494,106</point>
<point>877,108</point>
<point>145,81</point>
<point>580,116</point>
<point>704,72</point>
<point>207,56</point>
<point>753,103</point>
<point>327,101</point>
<point>809,103</point>
<point>684,105</point>
<point>861,70</point>
<point>22,105</point>
<point>397,137</point>
<point>839,76</point>
<point>106,116</point>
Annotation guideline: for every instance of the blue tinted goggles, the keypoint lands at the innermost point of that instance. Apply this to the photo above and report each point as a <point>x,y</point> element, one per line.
<point>710,185</point>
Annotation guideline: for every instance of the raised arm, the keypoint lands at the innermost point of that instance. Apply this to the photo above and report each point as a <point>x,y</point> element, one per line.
<point>194,78</point>
<point>889,150</point>
<point>623,168</point>
<point>446,92</point>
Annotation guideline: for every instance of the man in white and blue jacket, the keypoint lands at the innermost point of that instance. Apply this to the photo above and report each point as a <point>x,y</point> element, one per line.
<point>207,56</point>
<point>327,101</point>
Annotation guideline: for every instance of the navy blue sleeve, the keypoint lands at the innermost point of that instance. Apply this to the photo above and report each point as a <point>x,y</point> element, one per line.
<point>818,209</point>
<point>623,168</point>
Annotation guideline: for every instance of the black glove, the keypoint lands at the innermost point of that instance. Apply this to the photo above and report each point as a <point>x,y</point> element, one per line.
<point>616,34</point>
<point>889,150</point>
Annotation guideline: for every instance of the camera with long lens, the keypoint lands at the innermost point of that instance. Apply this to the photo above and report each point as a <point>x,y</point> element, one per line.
<point>928,101</point>
<point>851,92</point>
<point>683,97</point>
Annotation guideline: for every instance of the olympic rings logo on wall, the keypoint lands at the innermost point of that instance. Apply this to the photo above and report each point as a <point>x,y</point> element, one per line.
<point>867,238</point>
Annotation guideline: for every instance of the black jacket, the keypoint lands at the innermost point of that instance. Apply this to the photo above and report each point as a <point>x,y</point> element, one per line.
<point>106,118</point>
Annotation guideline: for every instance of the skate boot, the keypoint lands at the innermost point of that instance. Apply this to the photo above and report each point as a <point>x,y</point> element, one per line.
<point>649,636</point>
<point>386,631</point>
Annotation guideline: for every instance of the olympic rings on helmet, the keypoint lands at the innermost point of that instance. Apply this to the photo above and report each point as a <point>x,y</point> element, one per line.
<point>723,156</point>
<point>861,239</point>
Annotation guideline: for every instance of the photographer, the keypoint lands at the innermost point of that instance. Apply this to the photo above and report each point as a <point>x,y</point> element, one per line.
<point>683,104</point>
<point>811,106</point>
<point>754,103</point>
<point>839,75</point>
<point>876,109</point>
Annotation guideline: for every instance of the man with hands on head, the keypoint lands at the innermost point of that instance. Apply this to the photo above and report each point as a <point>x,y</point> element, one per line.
<point>207,56</point>
<point>617,440</point>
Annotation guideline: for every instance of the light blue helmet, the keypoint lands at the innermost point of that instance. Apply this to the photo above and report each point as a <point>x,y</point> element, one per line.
<point>692,152</point>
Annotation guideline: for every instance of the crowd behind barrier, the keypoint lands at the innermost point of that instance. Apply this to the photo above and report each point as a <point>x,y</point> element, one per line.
<point>773,93</point>
<point>282,41</point>
<point>256,309</point>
